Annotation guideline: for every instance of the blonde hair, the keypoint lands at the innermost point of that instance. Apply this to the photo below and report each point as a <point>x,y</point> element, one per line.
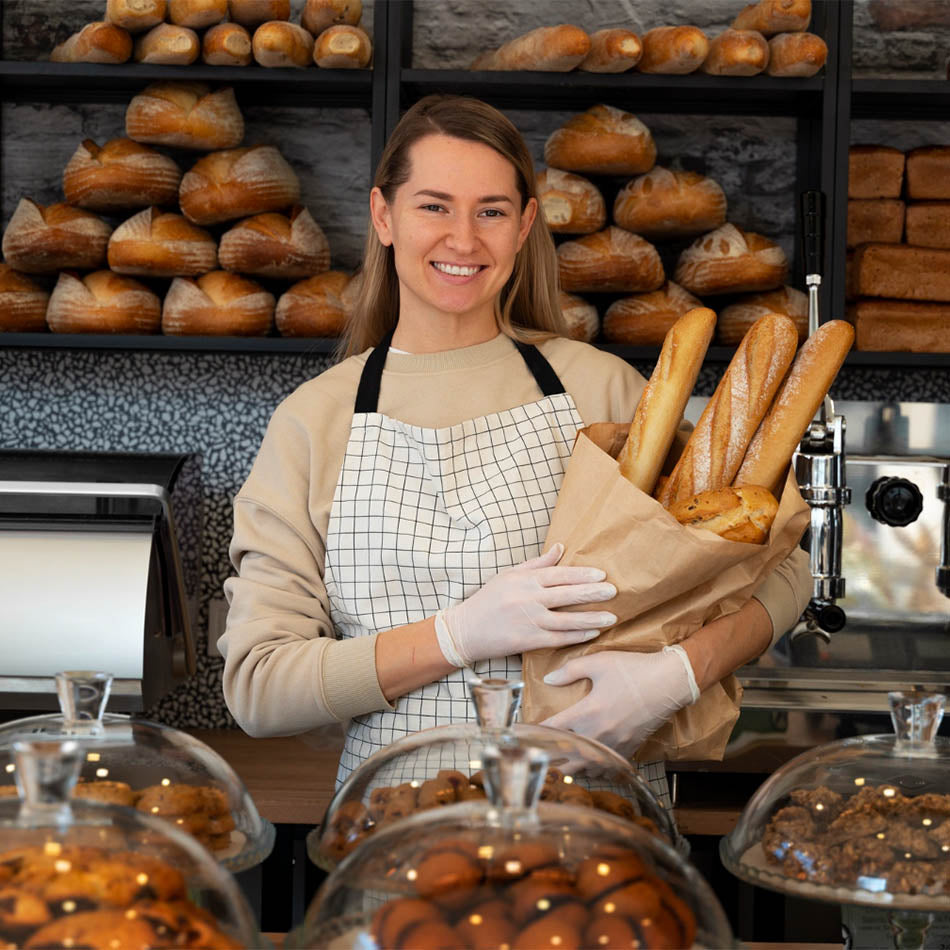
<point>528,308</point>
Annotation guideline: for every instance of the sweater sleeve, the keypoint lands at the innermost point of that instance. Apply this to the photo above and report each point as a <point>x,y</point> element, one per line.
<point>785,593</point>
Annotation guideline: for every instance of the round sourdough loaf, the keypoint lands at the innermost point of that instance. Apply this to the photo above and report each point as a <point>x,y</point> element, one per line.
<point>579,316</point>
<point>319,15</point>
<point>729,260</point>
<point>22,302</point>
<point>281,44</point>
<point>102,302</point>
<point>735,320</point>
<point>571,204</point>
<point>610,260</point>
<point>645,319</point>
<point>156,244</point>
<point>217,304</point>
<point>317,306</point>
<point>603,140</point>
<point>276,245</point>
<point>185,115</point>
<point>42,239</point>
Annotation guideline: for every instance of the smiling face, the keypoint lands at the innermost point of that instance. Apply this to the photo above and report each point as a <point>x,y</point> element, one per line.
<point>455,226</point>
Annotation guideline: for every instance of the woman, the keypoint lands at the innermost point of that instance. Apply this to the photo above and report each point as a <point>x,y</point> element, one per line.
<point>389,533</point>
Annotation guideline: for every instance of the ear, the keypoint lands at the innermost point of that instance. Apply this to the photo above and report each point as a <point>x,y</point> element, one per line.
<point>527,220</point>
<point>381,217</point>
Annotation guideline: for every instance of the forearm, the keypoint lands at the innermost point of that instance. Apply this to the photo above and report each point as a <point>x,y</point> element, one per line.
<point>409,657</point>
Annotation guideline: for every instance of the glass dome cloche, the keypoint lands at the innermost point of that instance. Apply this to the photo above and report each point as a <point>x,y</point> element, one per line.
<point>155,769</point>
<point>82,874</point>
<point>440,766</point>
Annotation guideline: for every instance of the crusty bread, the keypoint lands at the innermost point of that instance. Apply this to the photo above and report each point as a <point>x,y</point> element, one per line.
<point>901,326</point>
<point>603,140</point>
<point>663,401</point>
<point>317,306</point>
<point>731,261</point>
<point>318,15</point>
<point>928,169</point>
<point>197,14</point>
<point>735,514</point>
<point>135,15</point>
<point>276,245</point>
<point>185,115</point>
<point>718,444</point>
<point>736,319</point>
<point>167,45</point>
<point>774,16</point>
<point>580,317</point>
<point>343,47</point>
<point>280,44</point>
<point>737,53</point>
<point>796,54</point>
<point>156,244</point>
<point>666,203</point>
<point>612,51</point>
<point>928,223</point>
<point>98,42</point>
<point>238,182</point>
<point>102,302</point>
<point>612,259</point>
<point>548,49</point>
<point>22,302</point>
<point>875,171</point>
<point>645,319</point>
<point>252,13</point>
<point>41,240</point>
<point>875,219</point>
<point>120,176</point>
<point>901,272</point>
<point>217,304</point>
<point>571,204</point>
<point>673,50</point>
<point>226,44</point>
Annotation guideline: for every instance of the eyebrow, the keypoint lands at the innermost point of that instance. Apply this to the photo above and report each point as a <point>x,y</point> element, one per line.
<point>441,195</point>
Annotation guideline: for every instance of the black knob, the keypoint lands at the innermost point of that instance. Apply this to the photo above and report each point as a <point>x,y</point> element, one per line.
<point>894,501</point>
<point>831,618</point>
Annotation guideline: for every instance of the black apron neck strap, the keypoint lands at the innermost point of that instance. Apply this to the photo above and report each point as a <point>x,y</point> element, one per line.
<point>367,395</point>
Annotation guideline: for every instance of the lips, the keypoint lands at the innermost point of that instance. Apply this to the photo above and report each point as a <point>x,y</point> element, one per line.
<point>457,270</point>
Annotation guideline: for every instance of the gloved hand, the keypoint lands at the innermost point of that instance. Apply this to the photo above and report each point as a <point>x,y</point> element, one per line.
<point>631,695</point>
<point>514,611</point>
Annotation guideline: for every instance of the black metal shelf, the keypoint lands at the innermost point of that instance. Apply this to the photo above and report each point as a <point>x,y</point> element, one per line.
<point>900,98</point>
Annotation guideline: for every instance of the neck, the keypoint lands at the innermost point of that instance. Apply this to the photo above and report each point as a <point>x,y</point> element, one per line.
<point>434,333</point>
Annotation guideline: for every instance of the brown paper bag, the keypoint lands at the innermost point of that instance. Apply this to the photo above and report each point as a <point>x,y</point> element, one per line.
<point>671,580</point>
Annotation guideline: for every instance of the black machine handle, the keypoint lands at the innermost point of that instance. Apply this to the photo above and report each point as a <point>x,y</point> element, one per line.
<point>813,230</point>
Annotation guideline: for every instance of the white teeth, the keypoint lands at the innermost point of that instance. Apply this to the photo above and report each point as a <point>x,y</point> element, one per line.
<point>455,269</point>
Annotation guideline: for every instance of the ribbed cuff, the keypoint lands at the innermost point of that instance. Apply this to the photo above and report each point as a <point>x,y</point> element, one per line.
<point>349,680</point>
<point>784,593</point>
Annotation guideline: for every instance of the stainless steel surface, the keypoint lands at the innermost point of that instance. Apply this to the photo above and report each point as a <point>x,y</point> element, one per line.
<point>943,569</point>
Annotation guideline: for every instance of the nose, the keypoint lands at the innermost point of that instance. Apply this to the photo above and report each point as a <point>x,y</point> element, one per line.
<point>462,236</point>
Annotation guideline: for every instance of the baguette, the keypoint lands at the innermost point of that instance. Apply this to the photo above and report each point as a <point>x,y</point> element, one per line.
<point>796,54</point>
<point>98,42</point>
<point>22,302</point>
<point>774,16</point>
<point>663,401</point>
<point>317,306</point>
<point>548,49</point>
<point>580,317</point>
<point>612,51</point>
<point>217,304</point>
<point>612,259</point>
<point>737,514</point>
<point>252,13</point>
<point>135,15</point>
<point>343,47</point>
<point>227,44</point>
<point>167,45</point>
<point>102,302</point>
<point>185,115</point>
<point>319,15</point>
<point>645,319</point>
<point>728,260</point>
<point>43,239</point>
<point>808,381</point>
<point>603,140</point>
<point>280,44</point>
<point>718,444</point>
<point>276,245</point>
<point>197,14</point>
<point>673,50</point>
<point>153,244</point>
<point>736,319</point>
<point>737,53</point>
<point>571,204</point>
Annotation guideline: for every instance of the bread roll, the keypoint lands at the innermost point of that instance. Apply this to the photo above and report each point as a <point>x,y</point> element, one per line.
<point>736,319</point>
<point>736,514</point>
<point>231,184</point>
<point>315,307</point>
<point>42,240</point>
<point>548,49</point>
<point>802,392</point>
<point>900,271</point>
<point>102,302</point>
<point>217,304</point>
<point>120,176</point>
<point>774,16</point>
<point>796,54</point>
<point>252,13</point>
<point>280,44</point>
<point>197,14</point>
<point>276,245</point>
<point>737,53</point>
<point>928,170</point>
<point>227,44</point>
<point>22,303</point>
<point>571,204</point>
<point>185,115</point>
<point>875,219</point>
<point>645,319</point>
<point>612,51</point>
<point>665,204</point>
<point>153,244</point>
<point>603,140</point>
<point>901,326</point>
<point>343,47</point>
<point>98,42</point>
<point>875,171</point>
<point>928,223</point>
<point>319,15</point>
<point>673,50</point>
<point>135,15</point>
<point>718,444</point>
<point>663,401</point>
<point>612,259</point>
<point>730,261</point>
<point>580,317</point>
<point>167,45</point>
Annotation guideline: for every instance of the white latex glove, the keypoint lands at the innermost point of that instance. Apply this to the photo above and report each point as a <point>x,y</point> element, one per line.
<point>515,611</point>
<point>631,695</point>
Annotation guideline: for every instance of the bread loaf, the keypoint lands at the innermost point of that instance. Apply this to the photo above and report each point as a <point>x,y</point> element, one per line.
<point>98,42</point>
<point>663,401</point>
<point>603,140</point>
<point>901,326</point>
<point>42,240</point>
<point>730,261</point>
<point>238,182</point>
<point>796,403</point>
<point>901,272</point>
<point>612,259</point>
<point>22,303</point>
<point>571,204</point>
<point>153,244</point>
<point>135,15</point>
<point>875,171</point>
<point>217,304</point>
<point>718,444</point>
<point>343,47</point>
<point>796,54</point>
<point>774,16</point>
<point>548,49</point>
<point>226,44</point>
<point>664,204</point>
<point>317,306</point>
<point>928,170</point>
<point>252,13</point>
<point>735,514</point>
<point>673,50</point>
<point>120,176</point>
<point>875,219</point>
<point>185,115</point>
<point>737,53</point>
<point>276,245</point>
<point>928,223</point>
<point>645,319</point>
<point>580,317</point>
<point>197,14</point>
<point>612,51</point>
<point>102,302</point>
<point>319,15</point>
<point>280,44</point>
<point>736,319</point>
<point>167,45</point>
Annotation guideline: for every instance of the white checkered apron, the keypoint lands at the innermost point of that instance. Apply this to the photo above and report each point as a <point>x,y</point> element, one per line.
<point>422,518</point>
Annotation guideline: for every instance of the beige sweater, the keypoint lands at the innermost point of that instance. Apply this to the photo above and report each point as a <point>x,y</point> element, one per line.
<point>284,671</point>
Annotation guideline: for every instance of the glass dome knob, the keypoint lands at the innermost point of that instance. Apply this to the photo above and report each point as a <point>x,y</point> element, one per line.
<point>46,771</point>
<point>514,775</point>
<point>496,701</point>
<point>916,715</point>
<point>83,696</point>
